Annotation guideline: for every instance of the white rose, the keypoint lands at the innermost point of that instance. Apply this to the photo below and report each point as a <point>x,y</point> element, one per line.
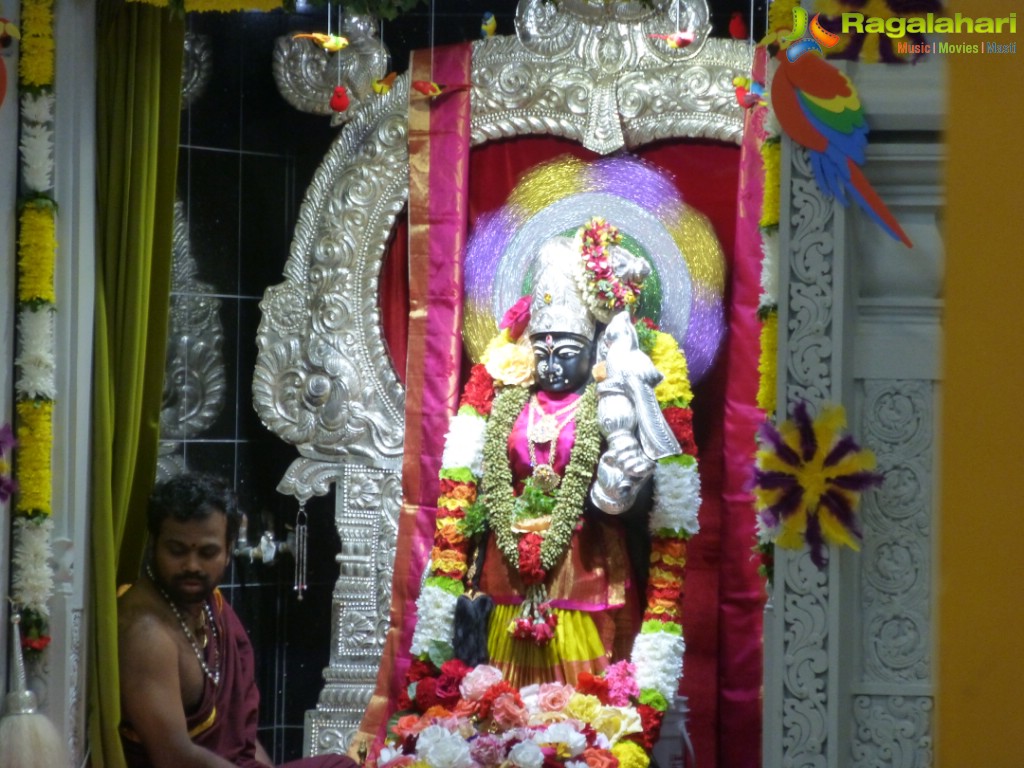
<point>526,754</point>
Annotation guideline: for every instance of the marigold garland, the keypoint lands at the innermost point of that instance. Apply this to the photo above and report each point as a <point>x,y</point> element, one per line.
<point>767,364</point>
<point>32,577</point>
<point>38,49</point>
<point>36,244</point>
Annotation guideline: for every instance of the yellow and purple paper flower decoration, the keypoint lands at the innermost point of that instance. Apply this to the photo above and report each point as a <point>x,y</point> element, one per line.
<point>808,480</point>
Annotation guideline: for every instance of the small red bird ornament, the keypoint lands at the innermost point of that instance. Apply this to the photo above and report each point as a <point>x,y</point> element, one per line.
<point>339,99</point>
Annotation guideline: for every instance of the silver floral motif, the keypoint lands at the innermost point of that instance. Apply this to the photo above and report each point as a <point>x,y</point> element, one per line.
<point>196,68</point>
<point>306,74</point>
<point>194,378</point>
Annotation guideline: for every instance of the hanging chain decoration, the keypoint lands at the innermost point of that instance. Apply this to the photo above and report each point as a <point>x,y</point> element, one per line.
<point>301,547</point>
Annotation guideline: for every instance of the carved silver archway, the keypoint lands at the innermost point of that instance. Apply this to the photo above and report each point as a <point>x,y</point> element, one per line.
<point>324,381</point>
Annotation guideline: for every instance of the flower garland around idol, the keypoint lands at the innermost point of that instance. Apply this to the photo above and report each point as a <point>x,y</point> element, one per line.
<point>35,360</point>
<point>495,393</point>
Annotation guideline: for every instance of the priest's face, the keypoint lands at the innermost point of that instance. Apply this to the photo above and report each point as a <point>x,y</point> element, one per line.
<point>563,361</point>
<point>191,556</point>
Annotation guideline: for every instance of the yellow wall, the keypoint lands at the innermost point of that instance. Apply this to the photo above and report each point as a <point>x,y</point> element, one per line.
<point>980,707</point>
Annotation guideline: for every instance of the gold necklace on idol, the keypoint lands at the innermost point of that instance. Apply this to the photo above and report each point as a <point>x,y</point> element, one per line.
<point>546,428</point>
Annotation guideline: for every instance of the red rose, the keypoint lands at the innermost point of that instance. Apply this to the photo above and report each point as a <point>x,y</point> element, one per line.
<point>479,391</point>
<point>35,643</point>
<point>426,694</point>
<point>517,318</point>
<point>455,668</point>
<point>594,686</point>
<point>680,421</point>
<point>530,569</point>
<point>498,689</point>
<point>420,668</point>
<point>447,690</point>
<point>651,719</point>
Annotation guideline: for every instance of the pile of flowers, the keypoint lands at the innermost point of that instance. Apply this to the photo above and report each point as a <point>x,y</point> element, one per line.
<point>468,717</point>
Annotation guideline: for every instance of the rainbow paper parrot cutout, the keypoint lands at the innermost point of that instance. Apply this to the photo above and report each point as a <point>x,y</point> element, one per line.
<point>818,107</point>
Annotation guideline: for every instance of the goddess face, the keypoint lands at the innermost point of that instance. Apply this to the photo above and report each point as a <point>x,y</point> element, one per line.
<point>562,361</point>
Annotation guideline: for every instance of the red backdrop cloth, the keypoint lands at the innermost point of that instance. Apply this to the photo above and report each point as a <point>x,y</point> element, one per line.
<point>722,671</point>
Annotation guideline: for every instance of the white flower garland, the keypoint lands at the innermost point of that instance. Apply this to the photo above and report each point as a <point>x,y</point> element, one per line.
<point>35,360</point>
<point>676,498</point>
<point>658,657</point>
<point>32,579</point>
<point>464,443</point>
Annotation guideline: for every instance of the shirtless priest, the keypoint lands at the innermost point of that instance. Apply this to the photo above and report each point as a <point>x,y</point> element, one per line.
<point>188,694</point>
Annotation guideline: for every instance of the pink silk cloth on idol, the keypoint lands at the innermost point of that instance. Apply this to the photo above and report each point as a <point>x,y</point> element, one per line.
<point>226,719</point>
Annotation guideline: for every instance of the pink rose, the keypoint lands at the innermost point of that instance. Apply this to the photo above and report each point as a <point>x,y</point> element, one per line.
<point>475,684</point>
<point>487,750</point>
<point>408,725</point>
<point>509,713</point>
<point>517,317</point>
<point>554,696</point>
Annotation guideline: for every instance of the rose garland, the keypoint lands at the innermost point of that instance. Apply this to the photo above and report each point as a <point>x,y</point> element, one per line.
<point>35,384</point>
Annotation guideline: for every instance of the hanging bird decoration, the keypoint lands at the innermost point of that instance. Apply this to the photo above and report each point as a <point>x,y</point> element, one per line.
<point>383,85</point>
<point>329,42</point>
<point>339,99</point>
<point>738,26</point>
<point>432,90</point>
<point>817,106</point>
<point>675,40</point>
<point>488,25</point>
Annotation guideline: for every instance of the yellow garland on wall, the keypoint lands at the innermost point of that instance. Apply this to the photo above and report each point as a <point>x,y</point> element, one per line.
<point>32,577</point>
<point>36,246</point>
<point>38,50</point>
<point>35,440</point>
<point>771,152</point>
<point>767,363</point>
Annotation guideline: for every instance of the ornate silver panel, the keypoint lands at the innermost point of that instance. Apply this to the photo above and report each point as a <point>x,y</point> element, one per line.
<point>194,377</point>
<point>324,380</point>
<point>306,74</point>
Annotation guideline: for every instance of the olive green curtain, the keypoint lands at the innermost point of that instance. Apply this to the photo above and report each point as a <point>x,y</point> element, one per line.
<point>139,59</point>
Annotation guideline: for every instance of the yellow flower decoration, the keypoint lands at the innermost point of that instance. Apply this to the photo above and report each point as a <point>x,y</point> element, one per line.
<point>631,755</point>
<point>670,360</point>
<point>583,706</point>
<point>36,66</point>
<point>808,481</point>
<point>35,441</point>
<point>767,364</point>
<point>36,248</point>
<point>770,153</point>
